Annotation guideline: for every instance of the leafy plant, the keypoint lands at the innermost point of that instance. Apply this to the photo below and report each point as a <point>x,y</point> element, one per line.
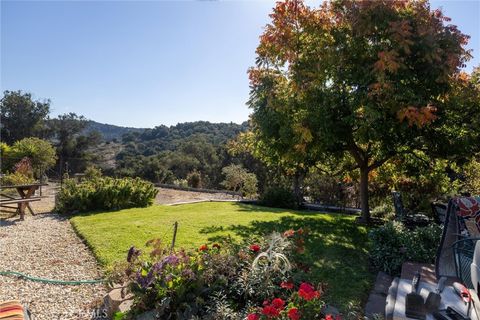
<point>92,172</point>
<point>278,197</point>
<point>15,178</point>
<point>104,194</point>
<point>227,281</point>
<point>392,245</point>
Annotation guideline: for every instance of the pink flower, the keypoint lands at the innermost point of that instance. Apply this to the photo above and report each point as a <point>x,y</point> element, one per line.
<point>293,314</point>
<point>286,285</point>
<point>289,233</point>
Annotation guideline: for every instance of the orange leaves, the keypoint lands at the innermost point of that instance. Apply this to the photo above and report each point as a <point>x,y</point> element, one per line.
<point>387,61</point>
<point>402,33</point>
<point>280,37</point>
<point>379,89</point>
<point>463,77</point>
<point>254,76</point>
<point>418,116</point>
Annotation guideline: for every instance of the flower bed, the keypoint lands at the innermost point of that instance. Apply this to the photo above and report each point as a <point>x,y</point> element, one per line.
<point>253,281</point>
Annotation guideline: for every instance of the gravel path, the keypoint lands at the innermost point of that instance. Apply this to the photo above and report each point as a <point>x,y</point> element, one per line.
<point>46,246</point>
<point>172,196</point>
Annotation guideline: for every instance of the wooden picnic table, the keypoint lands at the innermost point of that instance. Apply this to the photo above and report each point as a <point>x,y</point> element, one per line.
<point>27,195</point>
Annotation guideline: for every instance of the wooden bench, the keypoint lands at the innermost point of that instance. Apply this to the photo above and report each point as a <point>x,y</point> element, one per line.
<point>21,204</point>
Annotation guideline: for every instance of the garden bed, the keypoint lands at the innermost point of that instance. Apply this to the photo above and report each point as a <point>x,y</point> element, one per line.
<point>335,246</point>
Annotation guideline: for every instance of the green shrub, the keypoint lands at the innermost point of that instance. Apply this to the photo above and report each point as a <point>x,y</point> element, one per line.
<point>384,211</point>
<point>104,194</point>
<point>92,172</point>
<point>194,179</point>
<point>278,197</point>
<point>393,244</point>
<point>16,178</point>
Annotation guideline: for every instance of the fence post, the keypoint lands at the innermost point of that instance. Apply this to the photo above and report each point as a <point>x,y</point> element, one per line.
<point>175,227</point>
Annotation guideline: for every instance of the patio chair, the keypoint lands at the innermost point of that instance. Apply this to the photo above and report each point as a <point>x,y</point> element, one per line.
<point>409,219</point>
<point>460,233</point>
<point>13,310</point>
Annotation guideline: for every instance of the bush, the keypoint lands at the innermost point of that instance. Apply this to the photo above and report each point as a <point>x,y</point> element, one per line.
<point>92,172</point>
<point>393,244</point>
<point>278,197</point>
<point>15,178</point>
<point>384,211</point>
<point>194,179</point>
<point>104,194</point>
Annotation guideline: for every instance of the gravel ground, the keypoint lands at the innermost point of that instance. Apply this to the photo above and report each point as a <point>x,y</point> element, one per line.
<point>46,246</point>
<point>172,196</point>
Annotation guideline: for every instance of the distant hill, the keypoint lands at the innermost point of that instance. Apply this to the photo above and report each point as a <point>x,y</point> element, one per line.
<point>110,131</point>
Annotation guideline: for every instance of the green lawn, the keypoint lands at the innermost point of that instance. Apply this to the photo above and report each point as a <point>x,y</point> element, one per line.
<point>336,245</point>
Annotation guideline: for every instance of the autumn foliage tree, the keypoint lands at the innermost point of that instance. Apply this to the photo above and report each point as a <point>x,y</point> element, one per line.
<point>368,80</point>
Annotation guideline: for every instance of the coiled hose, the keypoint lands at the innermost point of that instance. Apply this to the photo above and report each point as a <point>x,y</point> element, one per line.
<point>51,281</point>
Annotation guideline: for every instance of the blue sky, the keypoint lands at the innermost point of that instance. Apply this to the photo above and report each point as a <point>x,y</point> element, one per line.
<point>144,64</point>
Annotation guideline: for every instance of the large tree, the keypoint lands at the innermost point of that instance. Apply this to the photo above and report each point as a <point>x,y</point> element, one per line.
<point>21,116</point>
<point>66,129</point>
<point>367,80</point>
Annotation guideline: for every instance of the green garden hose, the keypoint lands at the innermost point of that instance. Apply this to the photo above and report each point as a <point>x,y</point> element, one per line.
<point>27,277</point>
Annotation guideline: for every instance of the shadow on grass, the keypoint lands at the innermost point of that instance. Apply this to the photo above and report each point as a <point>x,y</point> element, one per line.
<point>335,247</point>
<point>243,207</point>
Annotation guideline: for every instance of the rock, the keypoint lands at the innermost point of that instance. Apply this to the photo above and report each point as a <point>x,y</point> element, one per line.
<point>125,306</point>
<point>118,300</point>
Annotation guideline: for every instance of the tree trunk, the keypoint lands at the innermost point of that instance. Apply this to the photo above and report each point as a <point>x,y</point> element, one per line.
<point>60,167</point>
<point>364,193</point>
<point>297,187</point>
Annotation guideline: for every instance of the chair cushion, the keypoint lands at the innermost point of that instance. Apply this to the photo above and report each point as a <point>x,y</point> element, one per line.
<point>11,310</point>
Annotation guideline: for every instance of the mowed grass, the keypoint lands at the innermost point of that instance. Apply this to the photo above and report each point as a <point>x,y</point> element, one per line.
<point>335,245</point>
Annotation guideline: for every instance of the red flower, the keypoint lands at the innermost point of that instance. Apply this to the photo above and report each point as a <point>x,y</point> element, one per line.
<point>278,303</point>
<point>253,316</point>
<point>255,247</point>
<point>216,246</point>
<point>293,314</point>
<point>286,285</point>
<point>328,317</point>
<point>300,231</point>
<point>203,247</point>
<point>270,311</point>
<point>307,292</point>
<point>289,233</point>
